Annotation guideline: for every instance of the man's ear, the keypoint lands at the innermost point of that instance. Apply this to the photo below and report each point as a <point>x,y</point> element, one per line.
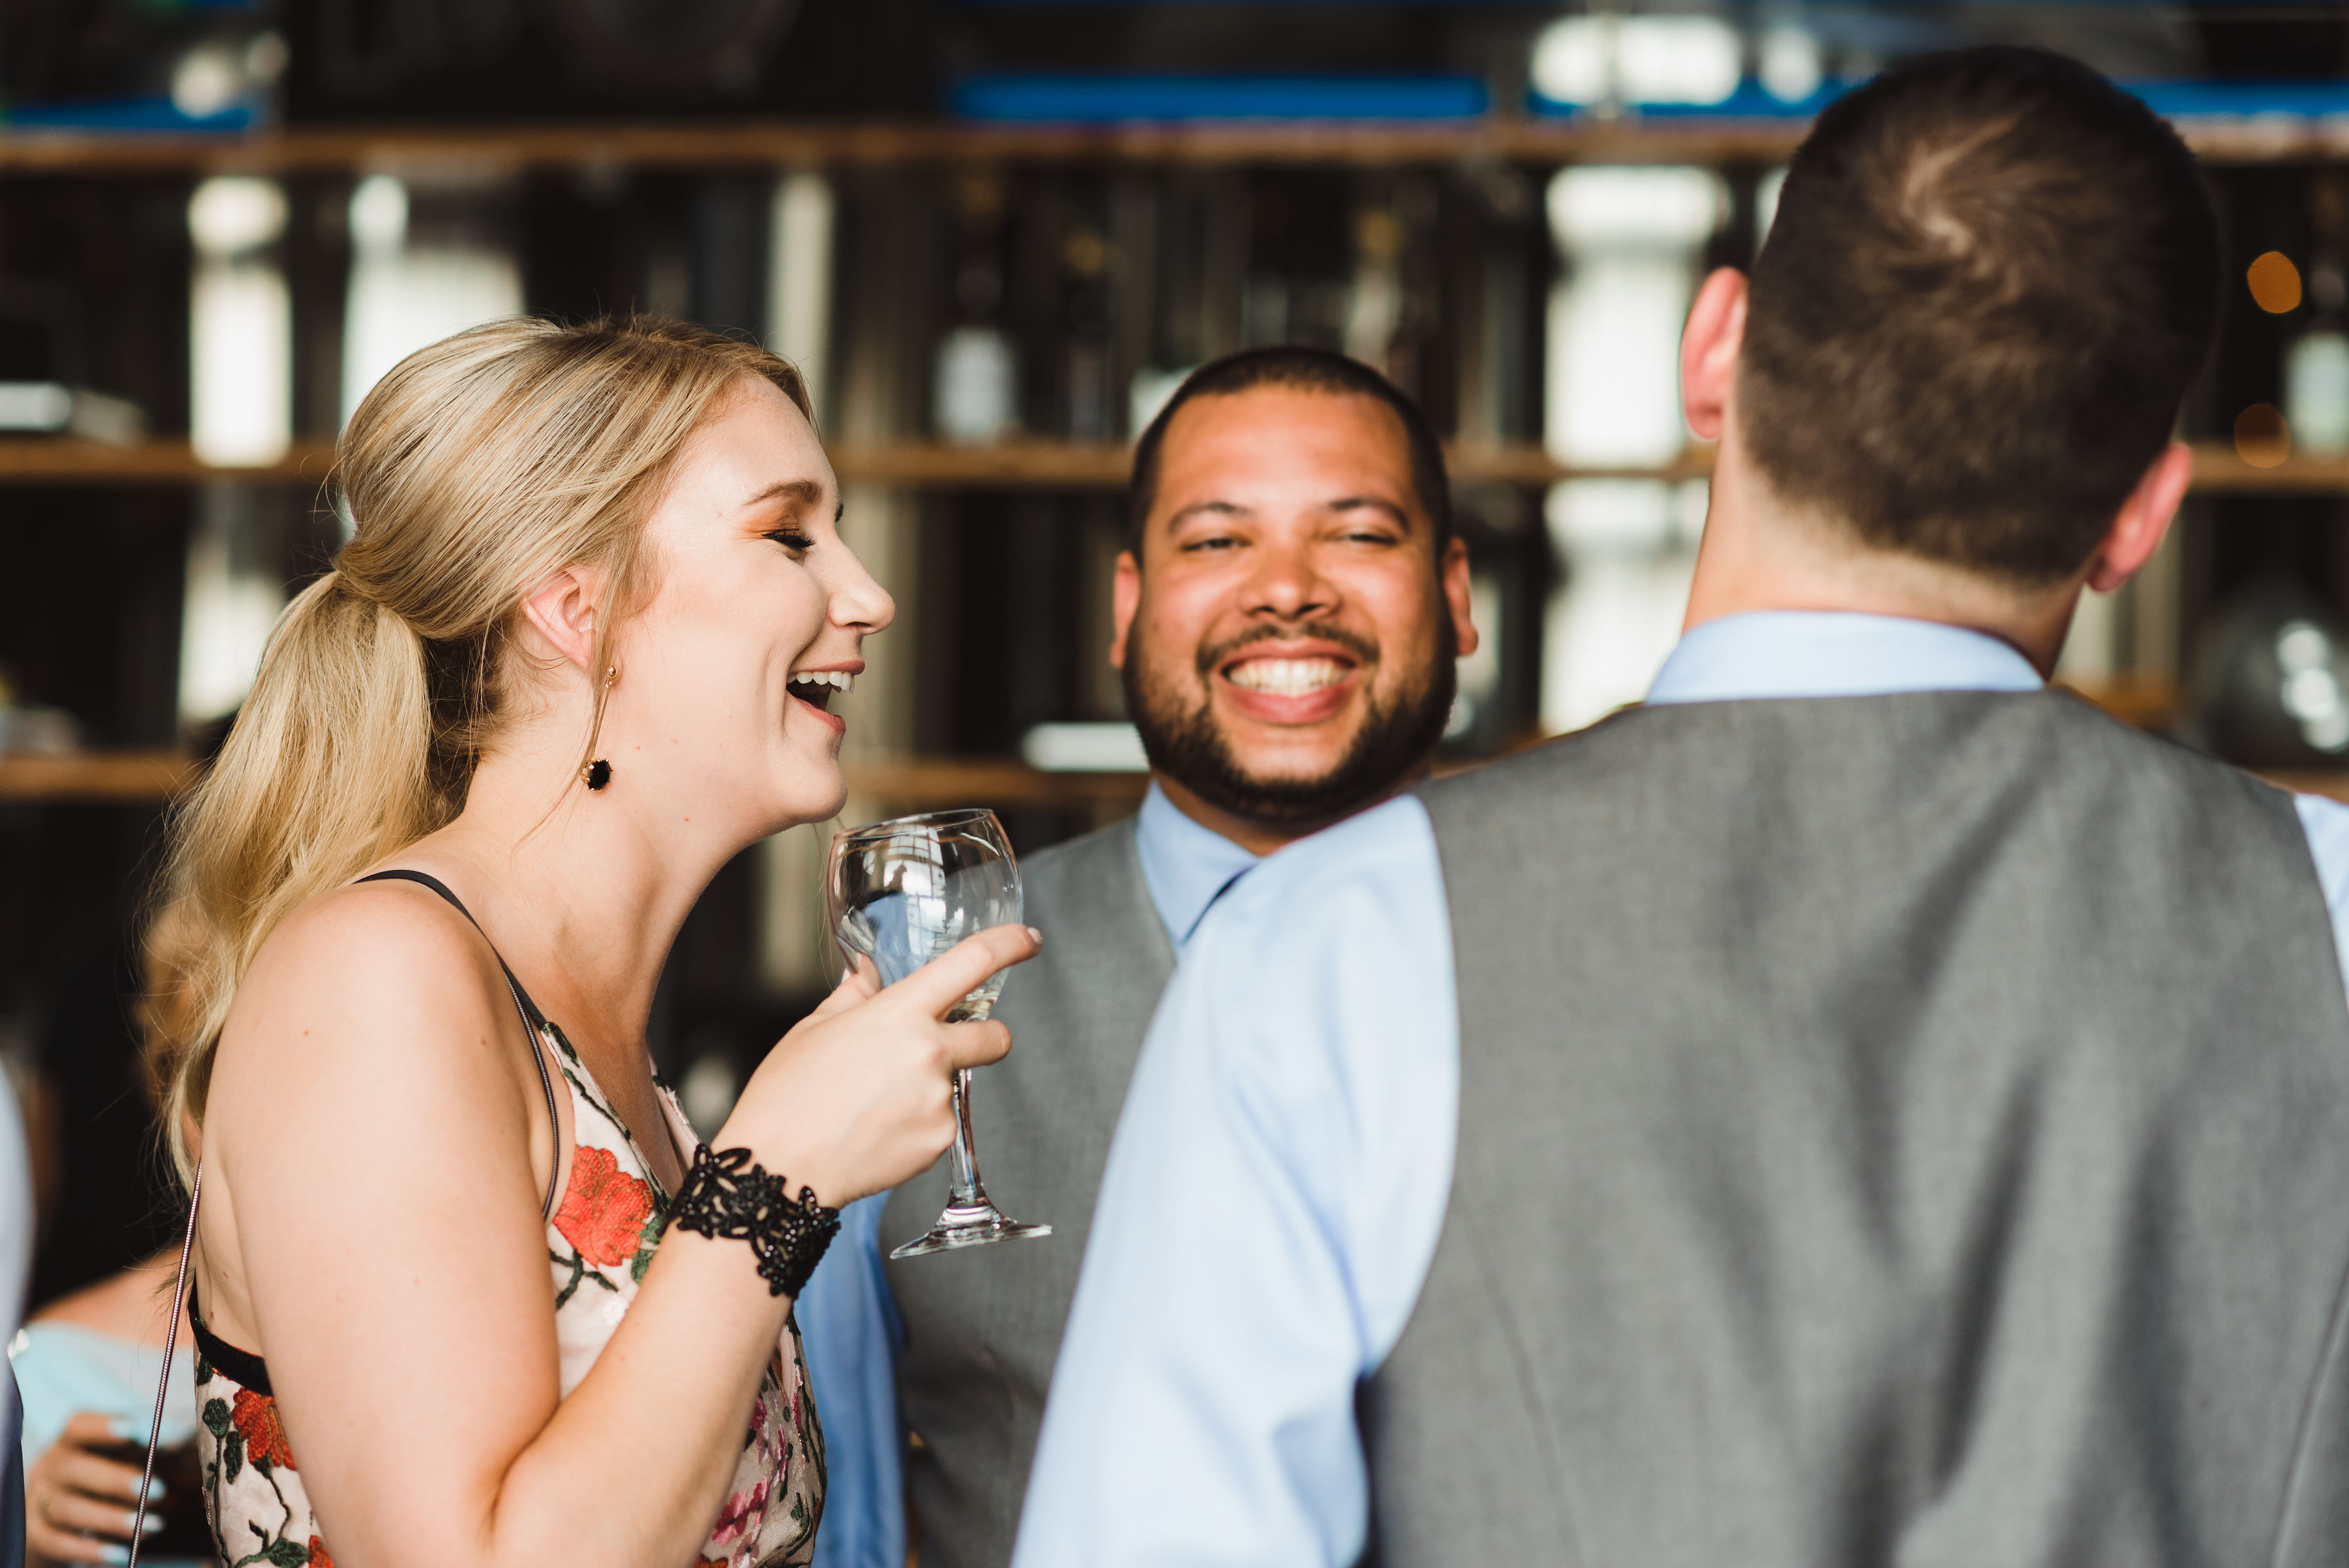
<point>1459,595</point>
<point>2143,520</point>
<point>1125,600</point>
<point>565,609</point>
<point>1709,349</point>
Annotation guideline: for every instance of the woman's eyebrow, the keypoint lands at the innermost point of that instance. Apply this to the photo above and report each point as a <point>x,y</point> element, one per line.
<point>805,492</point>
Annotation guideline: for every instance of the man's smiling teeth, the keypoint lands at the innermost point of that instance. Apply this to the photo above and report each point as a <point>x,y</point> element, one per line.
<point>838,679</point>
<point>1286,677</point>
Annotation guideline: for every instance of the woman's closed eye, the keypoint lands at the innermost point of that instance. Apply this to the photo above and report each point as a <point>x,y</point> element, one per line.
<point>796,540</point>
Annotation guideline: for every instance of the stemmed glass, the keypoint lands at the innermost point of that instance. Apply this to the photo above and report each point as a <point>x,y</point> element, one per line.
<point>900,893</point>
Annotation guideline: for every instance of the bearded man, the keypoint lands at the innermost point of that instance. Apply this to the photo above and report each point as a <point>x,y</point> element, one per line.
<point>1289,613</point>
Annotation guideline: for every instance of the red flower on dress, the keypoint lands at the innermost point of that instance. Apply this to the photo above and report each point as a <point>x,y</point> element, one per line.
<point>254,1416</point>
<point>318,1558</point>
<point>742,1511</point>
<point>603,1212</point>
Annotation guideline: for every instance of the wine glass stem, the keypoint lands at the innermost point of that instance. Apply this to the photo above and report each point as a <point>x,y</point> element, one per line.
<point>966,1191</point>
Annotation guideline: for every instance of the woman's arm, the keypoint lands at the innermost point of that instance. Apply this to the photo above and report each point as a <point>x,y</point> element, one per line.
<point>369,1128</point>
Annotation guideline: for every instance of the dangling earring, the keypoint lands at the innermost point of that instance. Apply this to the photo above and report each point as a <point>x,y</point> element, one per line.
<point>595,773</point>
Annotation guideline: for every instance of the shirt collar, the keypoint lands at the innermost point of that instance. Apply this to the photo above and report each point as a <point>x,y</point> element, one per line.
<point>1811,653</point>
<point>1185,865</point>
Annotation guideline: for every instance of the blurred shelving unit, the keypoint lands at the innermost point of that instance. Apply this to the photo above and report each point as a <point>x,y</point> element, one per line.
<point>1098,257</point>
<point>2219,470</point>
<point>710,145</point>
<point>157,778</point>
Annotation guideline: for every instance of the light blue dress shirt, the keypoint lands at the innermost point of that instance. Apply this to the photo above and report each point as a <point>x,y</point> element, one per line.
<point>847,1317</point>
<point>1280,1175</point>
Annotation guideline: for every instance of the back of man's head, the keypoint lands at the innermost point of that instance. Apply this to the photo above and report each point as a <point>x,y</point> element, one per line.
<point>1992,278</point>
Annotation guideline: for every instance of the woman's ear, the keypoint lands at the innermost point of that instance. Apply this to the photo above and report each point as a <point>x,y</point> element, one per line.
<point>565,611</point>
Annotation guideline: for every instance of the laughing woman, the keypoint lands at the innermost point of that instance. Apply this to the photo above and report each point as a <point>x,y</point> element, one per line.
<point>578,654</point>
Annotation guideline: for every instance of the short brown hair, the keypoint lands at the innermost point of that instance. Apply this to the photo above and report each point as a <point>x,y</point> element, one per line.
<point>1307,369</point>
<point>1992,278</point>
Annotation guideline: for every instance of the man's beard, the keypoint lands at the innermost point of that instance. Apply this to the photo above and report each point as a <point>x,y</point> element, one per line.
<point>1188,746</point>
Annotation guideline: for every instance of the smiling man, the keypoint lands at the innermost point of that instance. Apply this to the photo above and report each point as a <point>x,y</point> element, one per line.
<point>1288,616</point>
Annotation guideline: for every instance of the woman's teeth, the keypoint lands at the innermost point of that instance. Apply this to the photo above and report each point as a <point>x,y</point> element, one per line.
<point>1286,677</point>
<point>815,687</point>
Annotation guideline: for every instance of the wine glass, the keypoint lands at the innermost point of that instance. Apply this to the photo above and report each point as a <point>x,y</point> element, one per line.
<point>900,893</point>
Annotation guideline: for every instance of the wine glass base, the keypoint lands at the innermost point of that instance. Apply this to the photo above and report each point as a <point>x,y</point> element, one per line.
<point>973,1227</point>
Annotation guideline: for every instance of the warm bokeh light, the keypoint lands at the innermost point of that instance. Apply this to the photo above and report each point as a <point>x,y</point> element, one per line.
<point>2275,282</point>
<point>2261,437</point>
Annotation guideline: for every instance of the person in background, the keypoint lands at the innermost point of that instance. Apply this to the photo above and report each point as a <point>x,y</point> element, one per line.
<point>89,1364</point>
<point>1289,613</point>
<point>1862,1106</point>
<point>16,1265</point>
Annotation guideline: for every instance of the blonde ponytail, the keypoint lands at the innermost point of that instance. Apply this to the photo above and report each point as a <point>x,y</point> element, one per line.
<point>473,470</point>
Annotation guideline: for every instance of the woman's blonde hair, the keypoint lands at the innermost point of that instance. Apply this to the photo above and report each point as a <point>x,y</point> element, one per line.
<point>474,470</point>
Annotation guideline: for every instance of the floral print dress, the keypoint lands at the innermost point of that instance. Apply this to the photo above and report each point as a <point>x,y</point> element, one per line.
<point>601,1239</point>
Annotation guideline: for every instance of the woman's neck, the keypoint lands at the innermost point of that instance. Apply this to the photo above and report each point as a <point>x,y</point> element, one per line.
<point>583,894</point>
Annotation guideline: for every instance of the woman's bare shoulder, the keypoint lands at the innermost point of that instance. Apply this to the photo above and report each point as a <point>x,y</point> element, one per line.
<point>381,967</point>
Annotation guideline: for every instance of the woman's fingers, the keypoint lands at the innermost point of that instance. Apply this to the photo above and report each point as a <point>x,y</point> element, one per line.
<point>860,983</point>
<point>107,1519</point>
<point>976,1044</point>
<point>955,973</point>
<point>78,1469</point>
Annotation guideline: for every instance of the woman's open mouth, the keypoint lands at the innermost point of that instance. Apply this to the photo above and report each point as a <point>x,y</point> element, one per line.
<point>816,688</point>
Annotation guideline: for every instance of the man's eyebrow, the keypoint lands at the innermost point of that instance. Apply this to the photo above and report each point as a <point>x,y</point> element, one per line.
<point>1218,508</point>
<point>1356,502</point>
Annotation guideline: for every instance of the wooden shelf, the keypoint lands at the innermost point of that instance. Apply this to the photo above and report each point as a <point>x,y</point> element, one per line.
<point>1023,464</point>
<point>63,460</point>
<point>912,783</point>
<point>97,778</point>
<point>2218,471</point>
<point>152,778</point>
<point>768,143</point>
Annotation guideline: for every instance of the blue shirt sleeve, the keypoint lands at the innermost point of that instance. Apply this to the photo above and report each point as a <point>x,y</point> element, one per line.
<point>851,1330</point>
<point>2327,823</point>
<point>1269,1211</point>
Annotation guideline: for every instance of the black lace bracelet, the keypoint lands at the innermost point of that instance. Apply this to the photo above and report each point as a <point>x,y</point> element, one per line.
<point>726,1197</point>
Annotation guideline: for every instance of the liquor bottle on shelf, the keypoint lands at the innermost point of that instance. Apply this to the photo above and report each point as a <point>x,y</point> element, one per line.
<point>1085,307</point>
<point>2316,366</point>
<point>975,397</point>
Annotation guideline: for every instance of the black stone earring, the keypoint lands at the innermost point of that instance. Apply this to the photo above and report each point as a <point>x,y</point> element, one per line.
<point>595,773</point>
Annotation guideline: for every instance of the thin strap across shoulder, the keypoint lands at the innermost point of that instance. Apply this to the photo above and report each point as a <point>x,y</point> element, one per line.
<point>534,1021</point>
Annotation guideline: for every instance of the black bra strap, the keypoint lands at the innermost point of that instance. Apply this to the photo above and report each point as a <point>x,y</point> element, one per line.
<point>534,1021</point>
<point>245,1369</point>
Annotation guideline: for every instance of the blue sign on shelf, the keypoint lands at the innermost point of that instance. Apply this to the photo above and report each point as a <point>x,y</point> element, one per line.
<point>1109,100</point>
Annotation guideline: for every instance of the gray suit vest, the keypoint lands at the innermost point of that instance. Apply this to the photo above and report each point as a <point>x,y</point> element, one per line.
<point>983,1326</point>
<point>1907,1129</point>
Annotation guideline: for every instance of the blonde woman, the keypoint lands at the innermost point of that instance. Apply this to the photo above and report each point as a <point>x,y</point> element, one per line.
<point>578,655</point>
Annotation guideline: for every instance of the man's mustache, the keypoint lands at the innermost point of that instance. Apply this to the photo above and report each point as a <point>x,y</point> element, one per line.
<point>1363,648</point>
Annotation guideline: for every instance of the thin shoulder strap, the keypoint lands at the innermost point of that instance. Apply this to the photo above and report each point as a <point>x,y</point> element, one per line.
<point>534,1021</point>
<point>163,1378</point>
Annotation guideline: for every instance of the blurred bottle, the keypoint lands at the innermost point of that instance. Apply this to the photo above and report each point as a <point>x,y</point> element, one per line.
<point>975,395</point>
<point>2272,685</point>
<point>2316,367</point>
<point>1085,301</point>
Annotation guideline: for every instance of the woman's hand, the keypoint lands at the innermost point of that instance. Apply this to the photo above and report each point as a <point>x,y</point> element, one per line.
<point>859,1096</point>
<point>79,1502</point>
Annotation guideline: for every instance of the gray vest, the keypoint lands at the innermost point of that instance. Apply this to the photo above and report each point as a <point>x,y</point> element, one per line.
<point>1907,1129</point>
<point>983,1326</point>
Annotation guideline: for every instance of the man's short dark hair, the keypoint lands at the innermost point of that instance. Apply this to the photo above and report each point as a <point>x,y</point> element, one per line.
<point>1992,278</point>
<point>1307,369</point>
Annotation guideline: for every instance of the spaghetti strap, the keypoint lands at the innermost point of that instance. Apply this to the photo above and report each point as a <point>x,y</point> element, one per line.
<point>534,1021</point>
